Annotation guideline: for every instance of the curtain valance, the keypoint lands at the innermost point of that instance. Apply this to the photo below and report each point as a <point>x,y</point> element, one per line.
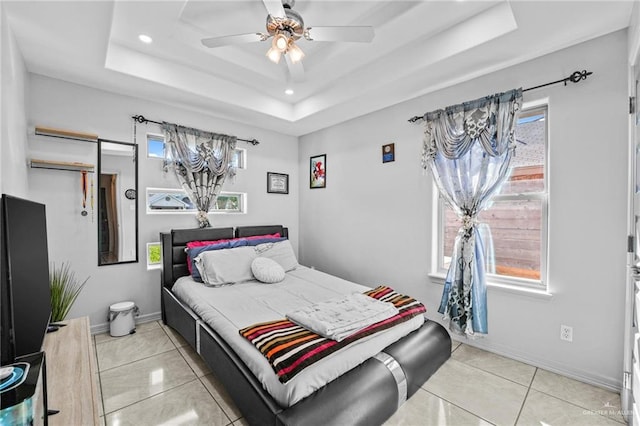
<point>201,161</point>
<point>489,121</point>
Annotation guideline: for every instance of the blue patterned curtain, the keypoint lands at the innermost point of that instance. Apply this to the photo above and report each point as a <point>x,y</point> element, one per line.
<point>468,148</point>
<point>202,162</point>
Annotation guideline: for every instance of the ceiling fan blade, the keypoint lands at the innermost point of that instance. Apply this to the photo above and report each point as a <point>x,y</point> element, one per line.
<point>230,40</point>
<point>296,70</point>
<point>274,8</point>
<point>356,34</point>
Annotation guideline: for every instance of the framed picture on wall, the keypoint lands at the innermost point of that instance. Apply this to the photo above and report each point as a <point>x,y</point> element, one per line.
<point>388,153</point>
<point>154,255</point>
<point>318,171</point>
<point>277,183</point>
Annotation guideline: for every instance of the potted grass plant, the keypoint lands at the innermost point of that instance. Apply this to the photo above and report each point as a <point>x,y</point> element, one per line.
<point>65,288</point>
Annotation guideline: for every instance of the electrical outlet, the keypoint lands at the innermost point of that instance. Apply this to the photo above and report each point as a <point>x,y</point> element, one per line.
<point>566,333</point>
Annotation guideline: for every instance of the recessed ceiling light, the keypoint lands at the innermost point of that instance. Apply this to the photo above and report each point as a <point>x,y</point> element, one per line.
<point>289,92</point>
<point>145,38</point>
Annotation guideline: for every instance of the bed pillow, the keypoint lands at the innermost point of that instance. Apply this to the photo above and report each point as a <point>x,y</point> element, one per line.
<point>192,244</point>
<point>281,252</point>
<point>217,245</point>
<point>257,237</point>
<point>255,240</point>
<point>267,270</point>
<point>230,266</point>
<point>192,253</point>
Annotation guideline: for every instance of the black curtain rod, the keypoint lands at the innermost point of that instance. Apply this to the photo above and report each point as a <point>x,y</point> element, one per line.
<point>576,77</point>
<point>143,119</point>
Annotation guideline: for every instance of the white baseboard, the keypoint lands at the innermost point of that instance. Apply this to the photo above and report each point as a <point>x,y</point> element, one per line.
<point>608,383</point>
<point>104,327</point>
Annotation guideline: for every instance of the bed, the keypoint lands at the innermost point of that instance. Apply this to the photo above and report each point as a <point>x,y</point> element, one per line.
<point>367,394</point>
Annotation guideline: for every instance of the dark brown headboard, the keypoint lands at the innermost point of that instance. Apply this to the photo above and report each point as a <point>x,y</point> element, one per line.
<point>174,258</point>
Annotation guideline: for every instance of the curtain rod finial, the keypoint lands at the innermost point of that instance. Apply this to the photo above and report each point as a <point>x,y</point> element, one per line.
<point>578,76</point>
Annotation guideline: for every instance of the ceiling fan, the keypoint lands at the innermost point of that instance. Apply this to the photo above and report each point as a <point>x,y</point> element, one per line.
<point>286,26</point>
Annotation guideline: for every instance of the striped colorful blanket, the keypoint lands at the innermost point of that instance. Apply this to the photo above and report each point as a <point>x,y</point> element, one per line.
<point>290,348</point>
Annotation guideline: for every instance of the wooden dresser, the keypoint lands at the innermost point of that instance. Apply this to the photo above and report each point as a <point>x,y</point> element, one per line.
<point>72,374</point>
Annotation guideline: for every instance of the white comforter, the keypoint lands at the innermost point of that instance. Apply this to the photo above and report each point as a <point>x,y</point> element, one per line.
<point>227,309</point>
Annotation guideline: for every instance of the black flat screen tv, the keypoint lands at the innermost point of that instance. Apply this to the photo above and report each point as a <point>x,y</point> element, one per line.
<point>25,302</point>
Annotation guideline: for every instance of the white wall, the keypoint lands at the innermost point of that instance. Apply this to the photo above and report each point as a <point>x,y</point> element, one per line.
<point>373,222</point>
<point>73,238</point>
<point>13,135</point>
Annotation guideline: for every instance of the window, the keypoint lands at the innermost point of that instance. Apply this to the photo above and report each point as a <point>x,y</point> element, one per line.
<point>239,159</point>
<point>515,247</point>
<point>162,200</point>
<point>156,148</point>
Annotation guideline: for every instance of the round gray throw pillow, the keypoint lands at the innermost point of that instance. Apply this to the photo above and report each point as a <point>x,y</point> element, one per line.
<point>266,270</point>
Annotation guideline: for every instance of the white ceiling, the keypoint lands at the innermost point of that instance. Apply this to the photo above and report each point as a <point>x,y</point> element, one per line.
<point>419,46</point>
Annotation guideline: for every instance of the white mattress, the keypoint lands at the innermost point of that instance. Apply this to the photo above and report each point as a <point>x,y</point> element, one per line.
<point>227,309</point>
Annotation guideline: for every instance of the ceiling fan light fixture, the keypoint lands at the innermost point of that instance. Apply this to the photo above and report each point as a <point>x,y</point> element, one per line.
<point>285,26</point>
<point>280,42</point>
<point>274,55</point>
<point>295,53</point>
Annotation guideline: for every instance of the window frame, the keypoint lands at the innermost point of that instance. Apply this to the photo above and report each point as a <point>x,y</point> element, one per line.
<point>242,160</point>
<point>509,282</point>
<point>241,152</point>
<point>242,196</point>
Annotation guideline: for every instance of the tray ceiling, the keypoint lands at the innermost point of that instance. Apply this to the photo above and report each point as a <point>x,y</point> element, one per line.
<point>419,47</point>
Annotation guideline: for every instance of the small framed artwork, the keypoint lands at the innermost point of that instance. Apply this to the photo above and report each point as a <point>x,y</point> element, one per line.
<point>277,183</point>
<point>154,255</point>
<point>318,171</point>
<point>388,152</point>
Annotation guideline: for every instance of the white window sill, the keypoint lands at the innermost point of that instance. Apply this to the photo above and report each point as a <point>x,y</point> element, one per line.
<point>155,266</point>
<point>508,288</point>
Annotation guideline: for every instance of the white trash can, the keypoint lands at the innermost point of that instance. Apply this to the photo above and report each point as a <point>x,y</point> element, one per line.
<point>121,318</point>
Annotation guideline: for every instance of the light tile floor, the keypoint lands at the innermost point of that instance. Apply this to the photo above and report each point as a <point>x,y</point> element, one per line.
<point>154,378</point>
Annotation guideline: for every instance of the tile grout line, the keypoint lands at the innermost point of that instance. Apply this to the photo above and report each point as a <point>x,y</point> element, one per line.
<point>95,351</point>
<point>189,364</point>
<point>577,406</point>
<point>216,400</point>
<point>150,356</point>
<point>487,372</point>
<point>199,378</point>
<point>529,387</point>
<point>457,406</point>
<point>526,395</point>
<point>569,402</point>
<point>492,373</point>
<point>141,359</point>
<point>150,396</point>
<point>495,374</point>
<point>176,348</point>
<point>116,338</point>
